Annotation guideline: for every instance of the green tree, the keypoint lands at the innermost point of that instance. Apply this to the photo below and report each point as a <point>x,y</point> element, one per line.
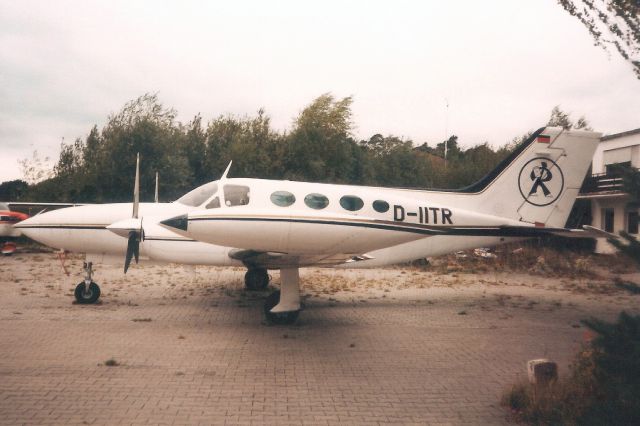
<point>611,23</point>
<point>563,119</point>
<point>13,190</point>
<point>320,145</point>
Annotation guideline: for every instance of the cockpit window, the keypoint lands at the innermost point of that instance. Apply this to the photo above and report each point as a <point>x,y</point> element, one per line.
<point>283,198</point>
<point>199,195</point>
<point>213,204</point>
<point>351,203</point>
<point>316,201</point>
<point>236,195</point>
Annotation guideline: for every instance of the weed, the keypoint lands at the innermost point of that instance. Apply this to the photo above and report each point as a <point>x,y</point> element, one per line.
<point>141,320</point>
<point>111,362</point>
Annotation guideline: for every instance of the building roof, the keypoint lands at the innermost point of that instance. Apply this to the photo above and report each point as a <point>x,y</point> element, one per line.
<point>620,135</point>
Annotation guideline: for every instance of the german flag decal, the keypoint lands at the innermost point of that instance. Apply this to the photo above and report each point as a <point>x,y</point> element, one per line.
<point>543,139</point>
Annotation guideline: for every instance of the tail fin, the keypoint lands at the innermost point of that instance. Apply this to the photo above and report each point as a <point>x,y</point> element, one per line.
<point>540,180</point>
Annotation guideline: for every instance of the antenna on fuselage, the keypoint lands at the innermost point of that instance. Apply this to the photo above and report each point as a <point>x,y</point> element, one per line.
<point>156,197</point>
<point>223,201</point>
<point>226,171</point>
<point>446,131</point>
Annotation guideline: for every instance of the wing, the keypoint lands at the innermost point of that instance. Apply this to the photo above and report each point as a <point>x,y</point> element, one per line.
<point>274,260</point>
<point>525,231</point>
<point>33,208</point>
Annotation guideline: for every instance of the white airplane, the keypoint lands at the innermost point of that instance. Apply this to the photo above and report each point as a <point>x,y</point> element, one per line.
<point>273,224</point>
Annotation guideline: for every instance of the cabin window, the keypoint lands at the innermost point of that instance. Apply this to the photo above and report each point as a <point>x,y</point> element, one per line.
<point>380,206</point>
<point>283,198</point>
<point>351,203</point>
<point>316,201</point>
<point>199,195</point>
<point>236,195</point>
<point>214,204</point>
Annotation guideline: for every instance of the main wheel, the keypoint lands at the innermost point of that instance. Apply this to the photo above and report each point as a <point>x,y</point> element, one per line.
<point>87,297</point>
<point>256,279</point>
<point>281,318</point>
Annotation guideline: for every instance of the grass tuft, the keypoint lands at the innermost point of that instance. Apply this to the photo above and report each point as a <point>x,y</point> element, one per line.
<point>111,362</point>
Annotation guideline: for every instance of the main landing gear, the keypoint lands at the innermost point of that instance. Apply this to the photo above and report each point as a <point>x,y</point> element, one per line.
<point>87,291</point>
<point>283,306</point>
<point>256,279</point>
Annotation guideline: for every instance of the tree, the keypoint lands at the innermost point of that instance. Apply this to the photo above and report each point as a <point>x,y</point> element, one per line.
<point>320,145</point>
<point>611,23</point>
<point>13,190</point>
<point>35,169</point>
<point>562,119</point>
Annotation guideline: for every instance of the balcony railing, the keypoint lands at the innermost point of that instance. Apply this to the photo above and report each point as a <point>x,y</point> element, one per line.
<point>602,183</point>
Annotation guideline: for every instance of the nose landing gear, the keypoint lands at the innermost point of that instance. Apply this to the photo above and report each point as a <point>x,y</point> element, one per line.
<point>87,291</point>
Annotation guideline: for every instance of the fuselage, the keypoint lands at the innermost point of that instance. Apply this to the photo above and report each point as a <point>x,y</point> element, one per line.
<point>272,216</point>
<point>312,219</point>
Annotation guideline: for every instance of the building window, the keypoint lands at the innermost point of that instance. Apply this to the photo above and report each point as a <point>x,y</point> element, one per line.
<point>381,206</point>
<point>607,220</point>
<point>316,201</point>
<point>632,222</point>
<point>351,203</point>
<point>283,198</point>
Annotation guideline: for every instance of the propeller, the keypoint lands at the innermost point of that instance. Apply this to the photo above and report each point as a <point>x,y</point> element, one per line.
<point>136,234</point>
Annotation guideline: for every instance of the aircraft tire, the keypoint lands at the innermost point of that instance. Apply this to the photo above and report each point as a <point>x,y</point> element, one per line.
<point>256,279</point>
<point>283,318</point>
<point>91,296</point>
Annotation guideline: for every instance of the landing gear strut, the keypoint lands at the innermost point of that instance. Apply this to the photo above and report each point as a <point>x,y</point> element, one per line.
<point>283,306</point>
<point>87,291</point>
<point>256,279</point>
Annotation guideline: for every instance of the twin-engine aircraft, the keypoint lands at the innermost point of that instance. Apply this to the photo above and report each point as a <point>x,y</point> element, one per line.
<point>285,225</point>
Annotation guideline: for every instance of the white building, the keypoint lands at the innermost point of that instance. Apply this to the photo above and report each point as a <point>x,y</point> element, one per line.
<point>611,208</point>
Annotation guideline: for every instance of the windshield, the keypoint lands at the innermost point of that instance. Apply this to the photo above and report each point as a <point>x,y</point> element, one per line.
<point>199,195</point>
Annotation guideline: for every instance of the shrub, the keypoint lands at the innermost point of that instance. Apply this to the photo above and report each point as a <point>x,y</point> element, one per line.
<point>603,386</point>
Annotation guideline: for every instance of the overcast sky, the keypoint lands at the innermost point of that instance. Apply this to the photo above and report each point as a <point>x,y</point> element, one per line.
<point>502,66</point>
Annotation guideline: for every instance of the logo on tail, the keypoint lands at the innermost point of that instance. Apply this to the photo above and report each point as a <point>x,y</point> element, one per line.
<point>540,181</point>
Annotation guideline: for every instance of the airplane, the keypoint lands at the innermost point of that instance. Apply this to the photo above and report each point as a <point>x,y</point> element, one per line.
<point>8,233</point>
<point>9,217</point>
<point>275,224</point>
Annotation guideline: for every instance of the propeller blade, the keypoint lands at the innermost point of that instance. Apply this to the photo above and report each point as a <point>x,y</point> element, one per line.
<point>133,250</point>
<point>136,189</point>
<point>156,197</point>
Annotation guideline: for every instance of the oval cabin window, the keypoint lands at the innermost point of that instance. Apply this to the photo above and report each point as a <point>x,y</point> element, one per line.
<point>283,198</point>
<point>316,201</point>
<point>380,206</point>
<point>351,203</point>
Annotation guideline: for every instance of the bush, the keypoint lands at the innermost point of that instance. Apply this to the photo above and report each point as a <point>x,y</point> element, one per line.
<point>603,387</point>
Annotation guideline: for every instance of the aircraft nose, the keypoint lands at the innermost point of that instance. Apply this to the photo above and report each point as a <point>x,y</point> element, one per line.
<point>179,222</point>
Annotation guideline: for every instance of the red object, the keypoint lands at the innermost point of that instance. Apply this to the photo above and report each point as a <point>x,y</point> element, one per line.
<point>9,248</point>
<point>9,217</point>
<point>543,139</point>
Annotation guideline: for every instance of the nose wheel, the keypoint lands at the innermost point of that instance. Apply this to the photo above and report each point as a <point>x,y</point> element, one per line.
<point>87,291</point>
